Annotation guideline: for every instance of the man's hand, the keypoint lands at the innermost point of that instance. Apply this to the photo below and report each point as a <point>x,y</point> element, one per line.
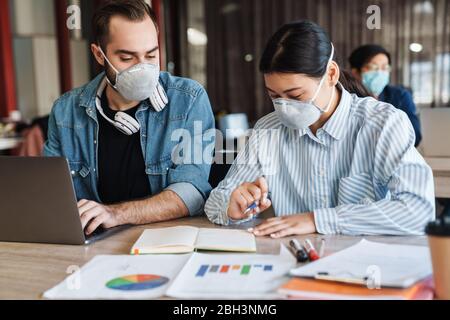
<point>245,195</point>
<point>280,227</point>
<point>93,215</point>
<point>163,207</point>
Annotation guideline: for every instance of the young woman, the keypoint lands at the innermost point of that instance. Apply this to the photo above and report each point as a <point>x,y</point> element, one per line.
<point>327,160</point>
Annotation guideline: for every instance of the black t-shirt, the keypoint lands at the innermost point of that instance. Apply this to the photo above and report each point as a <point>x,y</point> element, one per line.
<point>121,165</point>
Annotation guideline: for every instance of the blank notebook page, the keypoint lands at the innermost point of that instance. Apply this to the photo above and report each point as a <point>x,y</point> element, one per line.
<point>225,240</point>
<point>167,237</point>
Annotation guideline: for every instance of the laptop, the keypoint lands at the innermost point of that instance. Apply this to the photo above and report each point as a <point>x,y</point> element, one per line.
<point>38,203</point>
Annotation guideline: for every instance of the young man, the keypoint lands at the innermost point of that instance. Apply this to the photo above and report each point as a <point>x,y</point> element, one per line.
<point>119,132</point>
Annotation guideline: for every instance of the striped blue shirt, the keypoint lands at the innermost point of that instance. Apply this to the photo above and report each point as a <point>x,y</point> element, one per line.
<point>360,174</point>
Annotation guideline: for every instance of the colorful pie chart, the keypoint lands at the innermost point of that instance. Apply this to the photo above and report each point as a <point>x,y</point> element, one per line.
<point>137,282</point>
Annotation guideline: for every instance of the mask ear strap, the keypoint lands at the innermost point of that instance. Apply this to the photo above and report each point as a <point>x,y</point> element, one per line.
<point>324,76</point>
<point>110,64</point>
<point>329,103</point>
<point>107,60</point>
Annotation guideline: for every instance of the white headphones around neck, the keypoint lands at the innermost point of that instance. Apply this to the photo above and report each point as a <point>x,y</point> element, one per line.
<point>122,121</point>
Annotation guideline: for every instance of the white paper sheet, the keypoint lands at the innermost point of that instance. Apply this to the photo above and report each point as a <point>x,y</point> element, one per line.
<point>388,265</point>
<point>96,280</point>
<point>232,276</point>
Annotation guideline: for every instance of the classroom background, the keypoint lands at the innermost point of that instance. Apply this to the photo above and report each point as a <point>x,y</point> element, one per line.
<point>219,43</point>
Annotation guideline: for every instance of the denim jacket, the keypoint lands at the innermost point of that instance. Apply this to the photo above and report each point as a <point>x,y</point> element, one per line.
<point>187,118</point>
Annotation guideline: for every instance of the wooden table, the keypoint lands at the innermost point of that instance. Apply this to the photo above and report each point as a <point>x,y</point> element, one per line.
<point>27,270</point>
<point>441,173</point>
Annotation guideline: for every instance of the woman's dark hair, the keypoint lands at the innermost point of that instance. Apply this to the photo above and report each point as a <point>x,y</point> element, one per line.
<point>304,47</point>
<point>362,55</point>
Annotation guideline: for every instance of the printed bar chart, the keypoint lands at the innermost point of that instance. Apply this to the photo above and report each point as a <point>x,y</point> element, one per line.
<point>246,269</point>
<point>201,272</point>
<point>214,269</point>
<point>224,269</point>
<point>230,269</point>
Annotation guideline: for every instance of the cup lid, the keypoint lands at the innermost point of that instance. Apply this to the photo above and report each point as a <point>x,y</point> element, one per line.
<point>439,227</point>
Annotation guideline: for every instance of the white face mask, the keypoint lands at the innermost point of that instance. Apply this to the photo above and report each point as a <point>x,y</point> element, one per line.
<point>296,114</point>
<point>136,83</point>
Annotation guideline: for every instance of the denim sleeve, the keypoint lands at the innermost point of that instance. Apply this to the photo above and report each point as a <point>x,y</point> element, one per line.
<point>191,197</point>
<point>52,147</point>
<point>189,178</point>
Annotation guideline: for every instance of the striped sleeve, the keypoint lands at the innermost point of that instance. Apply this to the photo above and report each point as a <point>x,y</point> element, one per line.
<point>247,167</point>
<point>409,180</point>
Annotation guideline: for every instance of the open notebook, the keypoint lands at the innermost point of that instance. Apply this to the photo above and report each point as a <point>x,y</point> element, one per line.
<point>185,239</point>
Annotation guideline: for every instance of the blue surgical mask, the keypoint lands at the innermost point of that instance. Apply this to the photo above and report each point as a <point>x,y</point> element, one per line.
<point>375,81</point>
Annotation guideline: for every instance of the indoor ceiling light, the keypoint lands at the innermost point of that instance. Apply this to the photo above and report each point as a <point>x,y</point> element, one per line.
<point>416,47</point>
<point>196,37</point>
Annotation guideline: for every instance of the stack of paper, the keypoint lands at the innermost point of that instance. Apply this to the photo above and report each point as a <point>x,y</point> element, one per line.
<point>302,288</point>
<point>366,270</point>
<point>389,265</point>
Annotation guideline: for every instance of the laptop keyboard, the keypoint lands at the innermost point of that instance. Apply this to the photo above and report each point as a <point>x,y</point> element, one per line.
<point>96,233</point>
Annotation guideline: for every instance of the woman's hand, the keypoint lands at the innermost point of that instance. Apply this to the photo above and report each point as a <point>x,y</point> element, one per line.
<point>280,227</point>
<point>245,195</point>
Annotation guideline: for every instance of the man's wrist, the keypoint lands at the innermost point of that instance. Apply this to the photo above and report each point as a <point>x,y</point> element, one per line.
<point>121,213</point>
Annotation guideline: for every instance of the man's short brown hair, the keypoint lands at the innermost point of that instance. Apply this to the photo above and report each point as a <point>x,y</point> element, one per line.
<point>133,10</point>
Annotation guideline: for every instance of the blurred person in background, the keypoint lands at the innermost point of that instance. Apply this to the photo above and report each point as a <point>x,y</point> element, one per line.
<point>371,64</point>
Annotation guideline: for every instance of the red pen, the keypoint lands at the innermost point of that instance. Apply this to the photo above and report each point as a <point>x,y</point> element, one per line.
<point>312,253</point>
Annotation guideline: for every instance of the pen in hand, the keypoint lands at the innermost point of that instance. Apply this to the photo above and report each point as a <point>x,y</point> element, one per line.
<point>253,206</point>
<point>249,199</point>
